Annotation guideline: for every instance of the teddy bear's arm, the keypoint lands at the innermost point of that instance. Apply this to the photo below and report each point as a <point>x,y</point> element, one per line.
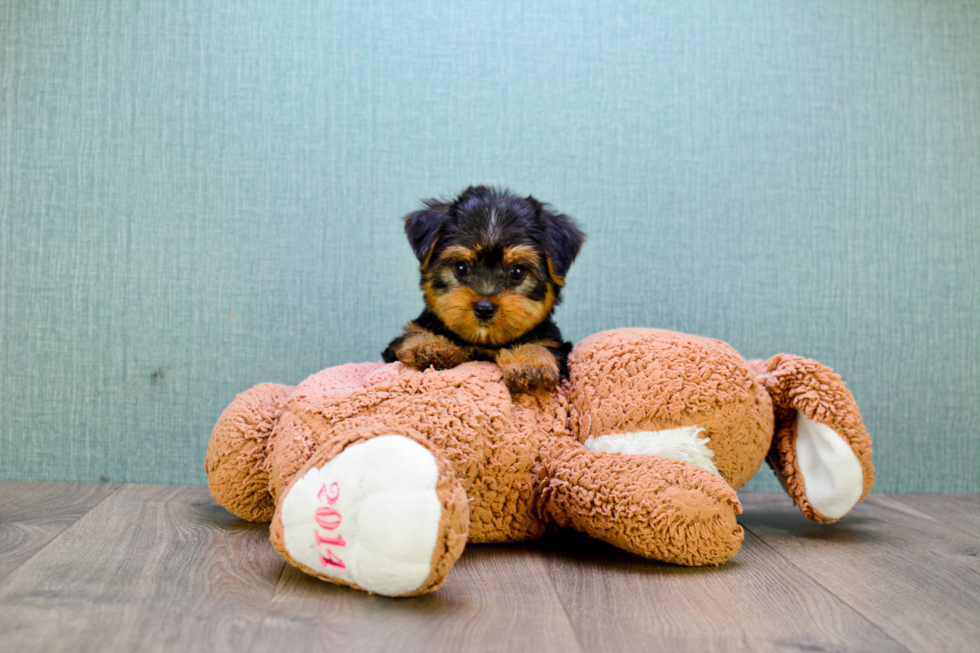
<point>237,456</point>
<point>649,505</point>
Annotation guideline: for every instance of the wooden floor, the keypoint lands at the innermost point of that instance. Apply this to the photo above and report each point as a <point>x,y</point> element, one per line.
<point>90,567</point>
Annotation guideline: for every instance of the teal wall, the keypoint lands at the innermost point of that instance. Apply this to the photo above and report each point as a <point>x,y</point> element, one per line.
<point>197,197</point>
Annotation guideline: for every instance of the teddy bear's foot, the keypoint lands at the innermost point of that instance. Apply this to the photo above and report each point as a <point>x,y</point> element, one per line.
<point>385,514</point>
<point>820,452</point>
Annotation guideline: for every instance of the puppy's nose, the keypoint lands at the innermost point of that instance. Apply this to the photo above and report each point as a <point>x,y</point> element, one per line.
<point>484,309</point>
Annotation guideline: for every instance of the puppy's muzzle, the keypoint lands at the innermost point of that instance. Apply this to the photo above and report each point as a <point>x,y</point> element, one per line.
<point>484,309</point>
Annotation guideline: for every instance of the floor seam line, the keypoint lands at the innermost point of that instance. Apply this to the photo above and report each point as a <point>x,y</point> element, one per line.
<point>265,615</point>
<point>44,546</point>
<point>564,610</point>
<point>943,523</point>
<point>829,591</point>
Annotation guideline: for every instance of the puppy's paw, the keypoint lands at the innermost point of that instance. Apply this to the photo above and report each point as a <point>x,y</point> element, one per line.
<point>436,356</point>
<point>425,350</point>
<point>531,379</point>
<point>528,369</point>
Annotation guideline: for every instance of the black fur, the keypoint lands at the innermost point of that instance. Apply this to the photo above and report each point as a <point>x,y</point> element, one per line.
<point>562,238</point>
<point>423,227</point>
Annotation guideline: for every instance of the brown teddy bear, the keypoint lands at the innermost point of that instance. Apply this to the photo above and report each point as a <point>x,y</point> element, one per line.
<point>375,476</point>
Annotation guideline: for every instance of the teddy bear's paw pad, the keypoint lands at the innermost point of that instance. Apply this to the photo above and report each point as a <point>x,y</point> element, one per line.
<point>370,516</point>
<point>831,471</point>
<point>686,444</point>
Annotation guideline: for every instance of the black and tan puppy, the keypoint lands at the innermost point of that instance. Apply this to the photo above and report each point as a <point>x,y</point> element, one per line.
<point>493,266</point>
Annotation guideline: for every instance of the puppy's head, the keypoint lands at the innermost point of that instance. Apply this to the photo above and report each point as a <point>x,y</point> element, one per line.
<point>493,264</point>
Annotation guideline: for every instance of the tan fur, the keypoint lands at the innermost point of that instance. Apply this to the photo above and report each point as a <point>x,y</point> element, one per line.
<point>555,279</point>
<point>428,257</point>
<point>529,368</point>
<point>422,349</point>
<point>521,254</point>
<point>516,315</point>
<point>459,253</point>
<point>455,308</point>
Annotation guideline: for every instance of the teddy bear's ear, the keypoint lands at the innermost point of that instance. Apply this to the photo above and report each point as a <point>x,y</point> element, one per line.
<point>562,239</point>
<point>821,452</point>
<point>423,228</point>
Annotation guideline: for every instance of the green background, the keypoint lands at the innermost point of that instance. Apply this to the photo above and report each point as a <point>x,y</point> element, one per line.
<point>197,197</point>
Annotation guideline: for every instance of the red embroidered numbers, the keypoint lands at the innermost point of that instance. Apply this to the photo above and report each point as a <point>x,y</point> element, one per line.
<point>328,519</point>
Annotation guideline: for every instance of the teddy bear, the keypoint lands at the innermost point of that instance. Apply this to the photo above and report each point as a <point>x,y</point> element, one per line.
<point>376,475</point>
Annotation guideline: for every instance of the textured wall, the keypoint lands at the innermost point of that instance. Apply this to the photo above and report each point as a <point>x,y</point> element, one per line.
<point>196,197</point>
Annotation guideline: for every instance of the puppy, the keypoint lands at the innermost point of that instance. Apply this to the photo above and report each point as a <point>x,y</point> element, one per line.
<point>493,266</point>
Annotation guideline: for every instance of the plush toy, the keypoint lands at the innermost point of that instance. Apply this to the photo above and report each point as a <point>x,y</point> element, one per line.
<point>375,476</point>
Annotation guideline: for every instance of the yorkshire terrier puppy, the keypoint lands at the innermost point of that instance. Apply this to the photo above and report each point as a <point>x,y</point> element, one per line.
<point>493,266</point>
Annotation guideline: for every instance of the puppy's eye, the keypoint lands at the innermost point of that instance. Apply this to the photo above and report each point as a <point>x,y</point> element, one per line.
<point>461,269</point>
<point>516,273</point>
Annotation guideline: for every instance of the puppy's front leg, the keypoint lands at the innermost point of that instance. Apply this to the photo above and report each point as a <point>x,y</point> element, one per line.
<point>421,349</point>
<point>530,368</point>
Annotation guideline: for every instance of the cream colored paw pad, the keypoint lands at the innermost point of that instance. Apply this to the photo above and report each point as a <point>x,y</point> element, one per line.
<point>370,516</point>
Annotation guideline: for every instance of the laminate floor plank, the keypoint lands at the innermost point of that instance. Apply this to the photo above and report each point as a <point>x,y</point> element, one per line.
<point>149,568</point>
<point>497,598</point>
<point>95,567</point>
<point>755,602</point>
<point>913,576</point>
<point>960,511</point>
<point>33,514</point>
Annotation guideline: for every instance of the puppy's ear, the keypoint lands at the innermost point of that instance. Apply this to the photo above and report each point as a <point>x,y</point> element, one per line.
<point>562,240</point>
<point>423,228</point>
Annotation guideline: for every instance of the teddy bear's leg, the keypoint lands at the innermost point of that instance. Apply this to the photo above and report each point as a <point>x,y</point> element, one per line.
<point>820,452</point>
<point>649,505</point>
<point>375,508</point>
<point>238,451</point>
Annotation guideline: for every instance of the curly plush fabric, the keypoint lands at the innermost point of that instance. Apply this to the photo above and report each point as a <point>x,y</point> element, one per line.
<point>238,453</point>
<point>511,468</point>
<point>652,506</point>
<point>799,385</point>
<point>466,413</point>
<point>630,380</point>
